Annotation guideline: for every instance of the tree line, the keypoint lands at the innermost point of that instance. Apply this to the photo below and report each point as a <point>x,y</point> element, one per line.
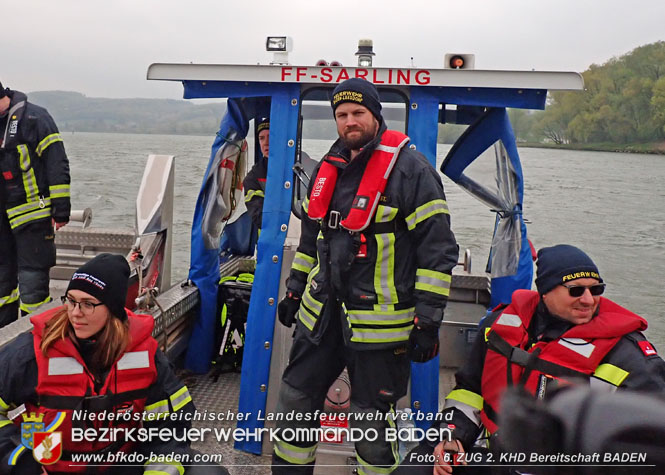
<point>623,102</point>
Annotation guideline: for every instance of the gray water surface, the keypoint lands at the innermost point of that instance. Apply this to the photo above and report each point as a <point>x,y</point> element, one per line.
<point>609,204</point>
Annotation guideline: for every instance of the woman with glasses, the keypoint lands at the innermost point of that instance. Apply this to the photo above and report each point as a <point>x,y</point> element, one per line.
<point>563,333</point>
<point>89,380</point>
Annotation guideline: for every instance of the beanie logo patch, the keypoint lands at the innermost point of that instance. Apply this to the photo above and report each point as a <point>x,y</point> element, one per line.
<point>90,279</point>
<point>347,96</point>
<point>580,275</point>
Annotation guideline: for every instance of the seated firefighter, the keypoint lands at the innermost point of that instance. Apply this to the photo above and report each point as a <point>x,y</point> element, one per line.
<point>565,332</point>
<point>255,181</point>
<point>92,356</point>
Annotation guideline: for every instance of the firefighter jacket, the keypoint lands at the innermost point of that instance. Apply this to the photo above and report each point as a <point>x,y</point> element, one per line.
<point>35,171</point>
<point>383,273</point>
<point>61,390</point>
<point>255,189</point>
<point>609,351</point>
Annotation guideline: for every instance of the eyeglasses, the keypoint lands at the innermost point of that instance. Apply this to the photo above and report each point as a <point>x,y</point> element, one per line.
<point>576,291</point>
<point>86,307</point>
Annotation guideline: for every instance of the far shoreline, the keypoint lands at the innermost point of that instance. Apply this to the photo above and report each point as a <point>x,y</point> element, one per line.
<point>652,148</point>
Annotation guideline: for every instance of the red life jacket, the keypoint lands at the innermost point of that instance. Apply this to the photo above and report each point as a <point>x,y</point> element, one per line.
<point>371,186</point>
<point>64,381</point>
<point>580,349</point>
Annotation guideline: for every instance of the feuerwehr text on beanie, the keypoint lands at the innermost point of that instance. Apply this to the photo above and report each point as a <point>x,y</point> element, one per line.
<point>104,277</point>
<point>359,91</point>
<point>563,263</point>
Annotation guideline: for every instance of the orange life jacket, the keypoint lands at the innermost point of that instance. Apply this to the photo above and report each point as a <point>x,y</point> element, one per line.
<point>372,184</point>
<point>576,353</point>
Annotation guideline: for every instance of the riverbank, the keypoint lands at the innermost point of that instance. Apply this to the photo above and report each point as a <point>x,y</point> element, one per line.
<point>654,148</point>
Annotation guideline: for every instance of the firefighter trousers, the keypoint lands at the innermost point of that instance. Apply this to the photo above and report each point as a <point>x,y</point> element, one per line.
<point>26,255</point>
<point>378,378</point>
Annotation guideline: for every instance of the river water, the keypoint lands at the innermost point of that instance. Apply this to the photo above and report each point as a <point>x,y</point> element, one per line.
<point>609,204</point>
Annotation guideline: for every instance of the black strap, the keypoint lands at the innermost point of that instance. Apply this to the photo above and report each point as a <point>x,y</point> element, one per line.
<point>91,403</point>
<point>525,359</point>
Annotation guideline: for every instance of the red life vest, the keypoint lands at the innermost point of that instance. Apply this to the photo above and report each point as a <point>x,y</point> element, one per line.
<point>371,186</point>
<point>580,349</point>
<point>64,381</point>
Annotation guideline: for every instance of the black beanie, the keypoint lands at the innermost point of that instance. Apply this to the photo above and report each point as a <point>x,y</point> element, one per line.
<point>104,277</point>
<point>359,91</point>
<point>563,263</point>
<point>262,124</point>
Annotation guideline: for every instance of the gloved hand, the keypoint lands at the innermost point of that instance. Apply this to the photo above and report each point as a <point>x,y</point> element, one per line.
<point>423,342</point>
<point>288,308</point>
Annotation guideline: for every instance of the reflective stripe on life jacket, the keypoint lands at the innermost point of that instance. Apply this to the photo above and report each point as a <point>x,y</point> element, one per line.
<point>65,385</point>
<point>371,185</point>
<point>576,353</point>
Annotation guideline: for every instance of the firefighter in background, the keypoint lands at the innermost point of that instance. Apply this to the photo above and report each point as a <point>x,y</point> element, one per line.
<point>34,199</point>
<point>254,183</point>
<point>369,282</point>
<point>563,333</point>
<point>92,355</point>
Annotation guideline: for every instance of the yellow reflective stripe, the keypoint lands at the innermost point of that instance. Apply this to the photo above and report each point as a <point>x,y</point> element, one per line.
<point>157,410</point>
<point>303,263</point>
<point>31,307</point>
<point>7,299</point>
<point>246,277</point>
<point>31,206</point>
<point>251,194</point>
<point>26,218</point>
<point>180,398</point>
<point>3,405</point>
<point>610,373</point>
<point>48,140</point>
<point>381,335</point>
<point>293,454</point>
<point>385,214</point>
<point>305,204</point>
<point>311,302</point>
<point>384,269</point>
<point>425,211</point>
<point>381,317</point>
<point>433,281</point>
<point>487,332</point>
<point>364,468</point>
<point>466,397</point>
<point>59,191</point>
<point>163,468</point>
<point>5,423</point>
<point>28,174</point>
<point>306,318</point>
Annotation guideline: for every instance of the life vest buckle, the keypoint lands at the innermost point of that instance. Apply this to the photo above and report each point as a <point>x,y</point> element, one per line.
<point>333,220</point>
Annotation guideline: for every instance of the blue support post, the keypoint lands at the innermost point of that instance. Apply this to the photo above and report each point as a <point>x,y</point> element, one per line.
<point>263,303</point>
<point>422,129</point>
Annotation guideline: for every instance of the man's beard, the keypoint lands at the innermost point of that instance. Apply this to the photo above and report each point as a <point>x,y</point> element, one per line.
<point>360,141</point>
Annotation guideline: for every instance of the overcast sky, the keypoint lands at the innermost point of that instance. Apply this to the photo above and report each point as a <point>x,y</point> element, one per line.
<point>103,48</point>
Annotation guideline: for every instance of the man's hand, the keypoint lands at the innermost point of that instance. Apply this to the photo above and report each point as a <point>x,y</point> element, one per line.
<point>447,454</point>
<point>58,225</point>
<point>423,342</point>
<point>288,308</point>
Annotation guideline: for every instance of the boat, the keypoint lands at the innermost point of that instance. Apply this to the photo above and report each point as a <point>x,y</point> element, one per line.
<point>484,161</point>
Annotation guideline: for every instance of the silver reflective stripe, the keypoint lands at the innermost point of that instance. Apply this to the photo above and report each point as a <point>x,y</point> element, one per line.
<point>64,365</point>
<point>390,317</point>
<point>597,383</point>
<point>11,112</point>
<point>384,270</point>
<point>24,208</point>
<point>134,359</point>
<point>388,335</point>
<point>385,214</point>
<point>509,320</point>
<point>469,411</point>
<point>293,454</point>
<point>579,346</point>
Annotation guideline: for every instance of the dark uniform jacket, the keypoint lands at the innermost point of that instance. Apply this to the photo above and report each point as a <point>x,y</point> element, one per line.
<point>396,268</point>
<point>645,373</point>
<point>254,185</point>
<point>18,381</point>
<point>34,170</point>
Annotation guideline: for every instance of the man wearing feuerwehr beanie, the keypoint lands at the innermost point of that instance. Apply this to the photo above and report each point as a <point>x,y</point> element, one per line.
<point>561,333</point>
<point>370,292</point>
<point>93,360</point>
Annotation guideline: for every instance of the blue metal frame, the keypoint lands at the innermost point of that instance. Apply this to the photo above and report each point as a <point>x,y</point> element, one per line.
<point>263,303</point>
